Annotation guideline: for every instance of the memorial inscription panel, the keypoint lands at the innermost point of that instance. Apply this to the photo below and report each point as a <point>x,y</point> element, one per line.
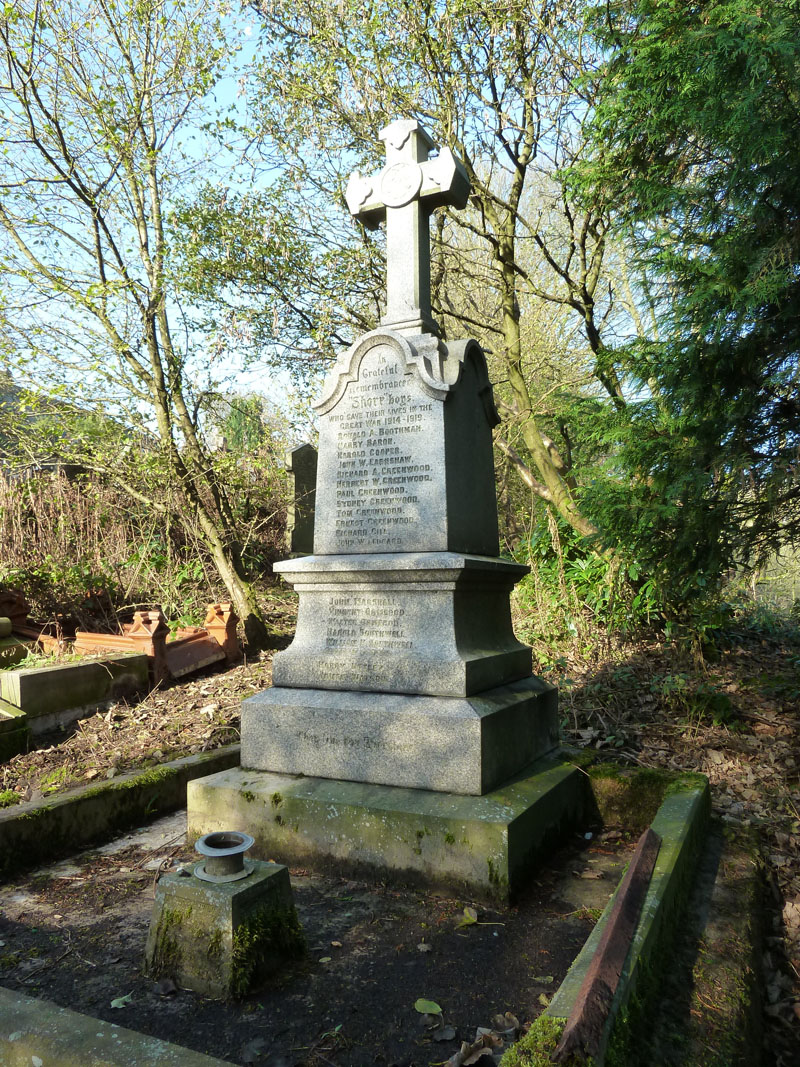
<point>380,485</point>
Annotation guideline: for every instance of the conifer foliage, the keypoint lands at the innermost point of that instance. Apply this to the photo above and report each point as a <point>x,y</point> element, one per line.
<point>695,154</point>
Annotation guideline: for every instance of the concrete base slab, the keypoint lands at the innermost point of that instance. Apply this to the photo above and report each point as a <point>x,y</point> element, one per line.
<point>484,846</point>
<point>469,745</point>
<point>38,1032</point>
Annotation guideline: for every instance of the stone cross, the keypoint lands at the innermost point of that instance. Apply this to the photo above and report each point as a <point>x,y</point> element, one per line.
<point>405,193</point>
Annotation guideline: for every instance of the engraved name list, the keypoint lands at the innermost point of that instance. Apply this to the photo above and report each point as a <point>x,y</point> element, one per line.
<point>382,472</point>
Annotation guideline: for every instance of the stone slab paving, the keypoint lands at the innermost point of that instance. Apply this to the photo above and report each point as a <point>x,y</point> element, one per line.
<point>36,1033</point>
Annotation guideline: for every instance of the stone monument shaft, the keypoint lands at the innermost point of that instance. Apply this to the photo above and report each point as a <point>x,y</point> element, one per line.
<point>404,669</point>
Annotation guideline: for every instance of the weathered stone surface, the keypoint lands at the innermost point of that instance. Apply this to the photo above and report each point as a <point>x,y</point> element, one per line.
<point>486,846</point>
<point>681,823</point>
<point>222,939</point>
<point>433,623</point>
<point>301,466</point>
<point>405,451</point>
<point>36,1031</point>
<point>54,695</point>
<point>38,831</point>
<point>468,746</point>
<point>404,193</point>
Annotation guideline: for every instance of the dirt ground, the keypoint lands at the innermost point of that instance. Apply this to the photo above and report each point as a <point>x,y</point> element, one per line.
<point>734,716</point>
<point>74,933</point>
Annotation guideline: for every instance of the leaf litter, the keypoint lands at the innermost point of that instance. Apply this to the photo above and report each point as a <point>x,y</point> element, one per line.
<point>750,754</point>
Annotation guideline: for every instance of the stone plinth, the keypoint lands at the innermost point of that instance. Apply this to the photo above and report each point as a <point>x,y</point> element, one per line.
<point>483,846</point>
<point>469,745</point>
<point>222,939</point>
<point>434,623</point>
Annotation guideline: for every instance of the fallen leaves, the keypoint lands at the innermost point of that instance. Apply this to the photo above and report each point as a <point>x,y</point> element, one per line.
<point>489,1042</point>
<point>427,1007</point>
<point>165,725</point>
<point>469,917</point>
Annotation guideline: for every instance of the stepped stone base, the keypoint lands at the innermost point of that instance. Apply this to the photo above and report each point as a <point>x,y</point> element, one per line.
<point>468,745</point>
<point>484,846</point>
<point>434,623</point>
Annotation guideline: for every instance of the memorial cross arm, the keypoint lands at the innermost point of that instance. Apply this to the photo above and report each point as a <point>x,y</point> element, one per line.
<point>405,193</point>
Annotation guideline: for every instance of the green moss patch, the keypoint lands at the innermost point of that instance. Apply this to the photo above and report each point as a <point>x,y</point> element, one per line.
<point>628,798</point>
<point>264,939</point>
<point>535,1048</point>
<point>8,798</point>
<point>166,954</point>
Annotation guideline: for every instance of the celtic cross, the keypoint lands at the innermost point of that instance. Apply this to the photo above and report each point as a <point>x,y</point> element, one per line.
<point>405,193</point>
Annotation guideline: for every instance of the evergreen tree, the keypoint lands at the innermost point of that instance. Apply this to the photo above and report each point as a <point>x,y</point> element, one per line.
<point>695,142</point>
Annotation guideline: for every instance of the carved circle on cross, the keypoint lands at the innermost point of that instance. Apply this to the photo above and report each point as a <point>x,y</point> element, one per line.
<point>400,183</point>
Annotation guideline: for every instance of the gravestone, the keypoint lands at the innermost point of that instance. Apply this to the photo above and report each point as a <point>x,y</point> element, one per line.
<point>301,466</point>
<point>404,675</point>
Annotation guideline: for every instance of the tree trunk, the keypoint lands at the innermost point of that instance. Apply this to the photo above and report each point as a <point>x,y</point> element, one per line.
<point>558,492</point>
<point>244,601</point>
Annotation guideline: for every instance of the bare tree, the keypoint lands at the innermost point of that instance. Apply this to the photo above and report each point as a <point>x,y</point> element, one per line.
<point>101,100</point>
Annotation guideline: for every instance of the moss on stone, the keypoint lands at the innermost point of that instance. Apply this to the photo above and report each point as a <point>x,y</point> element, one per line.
<point>214,950</point>
<point>535,1048</point>
<point>248,795</point>
<point>155,776</point>
<point>166,956</point>
<point>685,782</point>
<point>496,879</point>
<point>276,800</point>
<point>35,813</point>
<point>265,937</point>
<point>628,799</point>
<point>8,798</point>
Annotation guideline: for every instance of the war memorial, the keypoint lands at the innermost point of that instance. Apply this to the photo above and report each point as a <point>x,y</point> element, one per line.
<point>404,726</point>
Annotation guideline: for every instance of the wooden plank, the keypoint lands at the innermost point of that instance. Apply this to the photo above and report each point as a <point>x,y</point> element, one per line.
<point>584,1030</point>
